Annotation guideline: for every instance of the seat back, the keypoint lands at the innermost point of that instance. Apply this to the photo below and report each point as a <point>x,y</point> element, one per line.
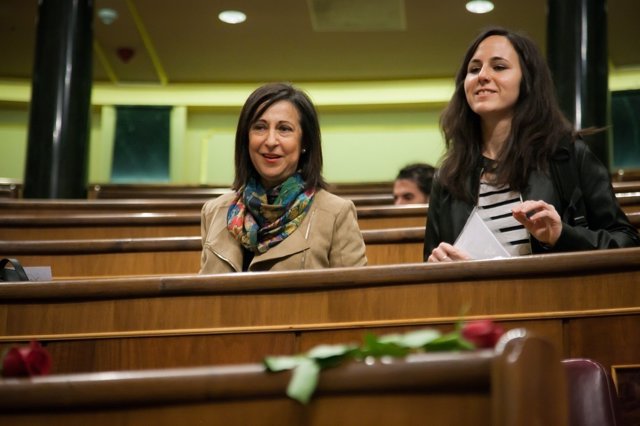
<point>592,397</point>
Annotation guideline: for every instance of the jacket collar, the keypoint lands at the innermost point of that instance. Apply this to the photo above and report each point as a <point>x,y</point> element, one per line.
<point>294,243</point>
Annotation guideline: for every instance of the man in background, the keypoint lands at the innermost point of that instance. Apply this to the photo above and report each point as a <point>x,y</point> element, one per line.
<point>413,184</point>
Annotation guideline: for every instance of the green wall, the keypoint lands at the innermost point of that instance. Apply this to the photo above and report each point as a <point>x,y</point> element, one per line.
<point>369,129</point>
<point>357,146</point>
<point>13,141</point>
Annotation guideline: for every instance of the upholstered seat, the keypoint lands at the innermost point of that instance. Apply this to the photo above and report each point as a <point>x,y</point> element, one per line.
<point>592,397</point>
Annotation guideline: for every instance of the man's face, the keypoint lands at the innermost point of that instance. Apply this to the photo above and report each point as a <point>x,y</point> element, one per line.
<point>406,191</point>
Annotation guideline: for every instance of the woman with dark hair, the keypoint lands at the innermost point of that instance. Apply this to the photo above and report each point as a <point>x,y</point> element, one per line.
<point>279,216</point>
<point>506,139</point>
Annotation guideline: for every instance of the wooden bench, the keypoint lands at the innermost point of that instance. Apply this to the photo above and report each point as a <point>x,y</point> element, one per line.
<point>106,224</point>
<point>10,189</point>
<point>41,207</point>
<point>360,194</point>
<point>622,175</point>
<point>587,304</point>
<point>629,201</point>
<point>132,190</point>
<point>100,225</point>
<point>173,255</point>
<point>522,383</point>
<point>25,227</point>
<point>88,256</point>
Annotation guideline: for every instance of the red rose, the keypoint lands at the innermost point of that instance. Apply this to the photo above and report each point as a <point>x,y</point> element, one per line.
<point>482,333</point>
<point>33,360</point>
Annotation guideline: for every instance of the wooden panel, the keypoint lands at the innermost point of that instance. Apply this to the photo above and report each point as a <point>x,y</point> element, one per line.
<point>46,207</point>
<point>344,306</point>
<point>552,294</point>
<point>551,330</point>
<point>389,254</point>
<point>596,338</point>
<point>392,222</point>
<point>59,223</point>
<point>383,217</point>
<point>174,255</point>
<point>144,352</point>
<point>15,233</point>
<point>117,264</point>
<point>518,286</point>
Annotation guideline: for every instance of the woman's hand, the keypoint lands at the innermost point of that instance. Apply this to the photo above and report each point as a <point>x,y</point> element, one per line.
<point>445,252</point>
<point>541,220</point>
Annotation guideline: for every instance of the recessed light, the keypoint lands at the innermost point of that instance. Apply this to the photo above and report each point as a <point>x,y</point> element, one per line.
<point>107,15</point>
<point>232,16</point>
<point>479,6</point>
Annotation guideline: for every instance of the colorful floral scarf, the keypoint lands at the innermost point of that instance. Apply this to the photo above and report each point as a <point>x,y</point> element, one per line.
<point>261,219</point>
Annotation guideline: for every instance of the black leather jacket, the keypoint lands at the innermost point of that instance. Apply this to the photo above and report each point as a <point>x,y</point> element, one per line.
<point>608,226</point>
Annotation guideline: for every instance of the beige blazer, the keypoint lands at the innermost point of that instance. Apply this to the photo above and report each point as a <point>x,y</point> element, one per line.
<point>328,237</point>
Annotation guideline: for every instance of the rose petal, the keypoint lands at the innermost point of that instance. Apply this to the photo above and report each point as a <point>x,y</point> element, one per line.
<point>482,333</point>
<point>14,365</point>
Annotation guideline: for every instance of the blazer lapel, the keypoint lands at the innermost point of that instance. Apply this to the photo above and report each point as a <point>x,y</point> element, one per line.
<point>227,248</point>
<point>294,243</point>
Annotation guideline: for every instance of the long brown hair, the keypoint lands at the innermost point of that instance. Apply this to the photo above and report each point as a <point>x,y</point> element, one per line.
<point>537,126</point>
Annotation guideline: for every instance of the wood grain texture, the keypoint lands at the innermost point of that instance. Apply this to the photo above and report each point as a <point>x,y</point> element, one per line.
<point>483,387</point>
<point>174,255</point>
<point>571,298</point>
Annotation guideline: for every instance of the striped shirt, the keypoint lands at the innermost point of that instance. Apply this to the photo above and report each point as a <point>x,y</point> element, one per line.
<point>495,204</point>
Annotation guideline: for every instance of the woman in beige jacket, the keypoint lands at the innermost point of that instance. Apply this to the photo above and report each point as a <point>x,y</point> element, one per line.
<point>279,216</point>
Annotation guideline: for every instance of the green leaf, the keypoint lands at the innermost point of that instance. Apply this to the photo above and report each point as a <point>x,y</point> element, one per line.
<point>390,338</point>
<point>330,351</point>
<point>419,338</point>
<point>281,363</point>
<point>382,347</point>
<point>304,380</point>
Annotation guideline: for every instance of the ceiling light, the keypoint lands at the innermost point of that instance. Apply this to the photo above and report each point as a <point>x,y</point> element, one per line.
<point>107,16</point>
<point>232,16</point>
<point>479,6</point>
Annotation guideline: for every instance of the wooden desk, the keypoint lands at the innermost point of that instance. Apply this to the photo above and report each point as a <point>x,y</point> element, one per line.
<point>586,303</point>
<point>522,384</point>
<point>175,255</point>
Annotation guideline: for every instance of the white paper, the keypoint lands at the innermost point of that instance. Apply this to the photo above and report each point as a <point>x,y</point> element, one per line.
<point>478,241</point>
<point>38,273</point>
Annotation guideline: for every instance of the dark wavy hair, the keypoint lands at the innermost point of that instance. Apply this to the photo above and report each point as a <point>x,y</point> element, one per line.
<point>537,127</point>
<point>310,163</point>
<point>420,173</point>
